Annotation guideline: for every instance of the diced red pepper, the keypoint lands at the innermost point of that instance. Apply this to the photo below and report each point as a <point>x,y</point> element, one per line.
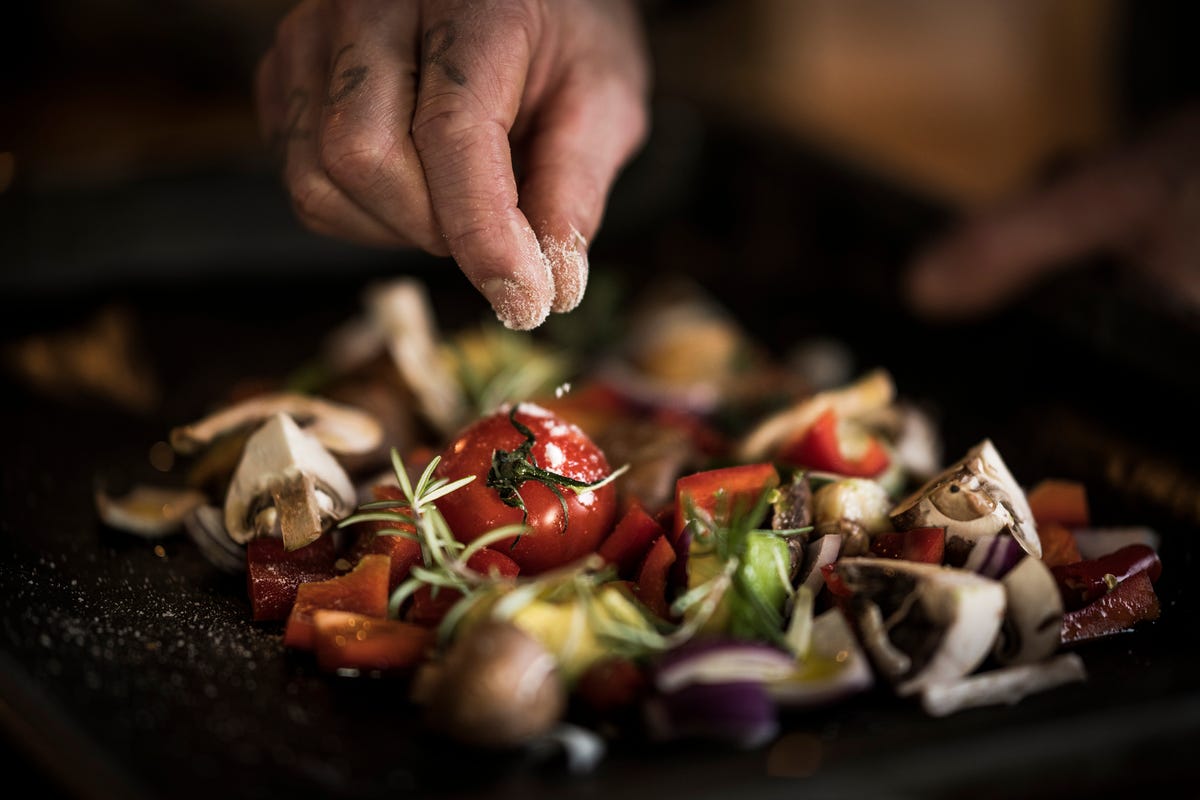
<point>721,492</point>
<point>1131,602</point>
<point>651,588</point>
<point>404,551</point>
<point>926,545</point>
<point>363,590</point>
<point>1086,581</point>
<point>1058,545</point>
<point>1061,502</point>
<point>273,573</point>
<point>345,640</point>
<point>626,546</point>
<point>823,447</point>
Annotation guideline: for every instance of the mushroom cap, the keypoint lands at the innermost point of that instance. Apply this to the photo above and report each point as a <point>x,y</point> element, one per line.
<point>498,687</point>
<point>339,427</point>
<point>283,462</point>
<point>974,497</point>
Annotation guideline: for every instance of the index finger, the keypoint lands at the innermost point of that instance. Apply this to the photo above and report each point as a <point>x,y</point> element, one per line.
<point>474,68</point>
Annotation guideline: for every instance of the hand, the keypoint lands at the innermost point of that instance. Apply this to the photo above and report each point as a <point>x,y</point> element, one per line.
<point>395,119</point>
<point>1143,203</point>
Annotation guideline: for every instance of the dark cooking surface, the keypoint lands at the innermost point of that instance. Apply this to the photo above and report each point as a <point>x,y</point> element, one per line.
<point>124,672</point>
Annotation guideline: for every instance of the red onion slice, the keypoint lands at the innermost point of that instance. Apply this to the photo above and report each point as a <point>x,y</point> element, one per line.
<point>994,556</point>
<point>741,714</point>
<point>717,661</point>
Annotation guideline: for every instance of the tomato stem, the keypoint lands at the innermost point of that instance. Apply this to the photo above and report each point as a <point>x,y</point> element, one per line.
<point>511,468</point>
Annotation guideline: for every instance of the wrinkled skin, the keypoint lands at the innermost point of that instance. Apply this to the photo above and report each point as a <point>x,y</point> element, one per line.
<point>399,123</point>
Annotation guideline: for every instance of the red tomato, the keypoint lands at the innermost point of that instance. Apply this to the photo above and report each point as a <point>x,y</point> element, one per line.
<point>553,537</point>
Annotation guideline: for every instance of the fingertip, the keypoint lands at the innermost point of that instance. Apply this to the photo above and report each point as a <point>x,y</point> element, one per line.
<point>518,306</point>
<point>568,260</point>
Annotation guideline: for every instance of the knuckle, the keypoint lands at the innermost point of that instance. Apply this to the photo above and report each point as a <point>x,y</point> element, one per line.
<point>356,159</point>
<point>311,196</point>
<point>443,121</point>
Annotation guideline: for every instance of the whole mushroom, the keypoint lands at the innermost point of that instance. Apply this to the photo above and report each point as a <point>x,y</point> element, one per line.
<point>496,687</point>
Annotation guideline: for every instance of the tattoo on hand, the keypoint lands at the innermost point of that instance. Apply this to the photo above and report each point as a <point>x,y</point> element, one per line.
<point>297,102</point>
<point>438,41</point>
<point>350,78</point>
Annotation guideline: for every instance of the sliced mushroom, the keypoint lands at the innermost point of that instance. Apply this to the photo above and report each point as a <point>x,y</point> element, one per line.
<point>1033,615</point>
<point>401,311</point>
<point>922,624</point>
<point>340,428</point>
<point>873,391</point>
<point>287,481</point>
<point>148,511</point>
<point>973,498</point>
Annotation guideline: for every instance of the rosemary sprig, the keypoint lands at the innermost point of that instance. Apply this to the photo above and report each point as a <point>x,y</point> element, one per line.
<point>444,558</point>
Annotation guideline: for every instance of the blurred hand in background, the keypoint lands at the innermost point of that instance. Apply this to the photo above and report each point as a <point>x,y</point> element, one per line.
<point>1141,204</point>
<point>491,131</point>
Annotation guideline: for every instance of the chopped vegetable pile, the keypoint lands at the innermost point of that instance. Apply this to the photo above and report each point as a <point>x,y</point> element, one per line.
<point>669,546</point>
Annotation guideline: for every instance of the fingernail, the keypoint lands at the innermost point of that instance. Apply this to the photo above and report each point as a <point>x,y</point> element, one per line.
<point>516,307</point>
<point>569,264</point>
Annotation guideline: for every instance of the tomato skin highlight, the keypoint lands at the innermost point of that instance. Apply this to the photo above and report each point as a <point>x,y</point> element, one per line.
<point>552,539</point>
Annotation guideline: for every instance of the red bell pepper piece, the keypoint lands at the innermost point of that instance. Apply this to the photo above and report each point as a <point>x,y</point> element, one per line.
<point>626,546</point>
<point>273,573</point>
<point>926,545</point>
<point>1059,501</point>
<point>651,588</point>
<point>404,552</point>
<point>1058,545</point>
<point>363,590</point>
<point>1086,581</point>
<point>824,447</point>
<point>1131,602</point>
<point>344,640</point>
<point>721,492</point>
